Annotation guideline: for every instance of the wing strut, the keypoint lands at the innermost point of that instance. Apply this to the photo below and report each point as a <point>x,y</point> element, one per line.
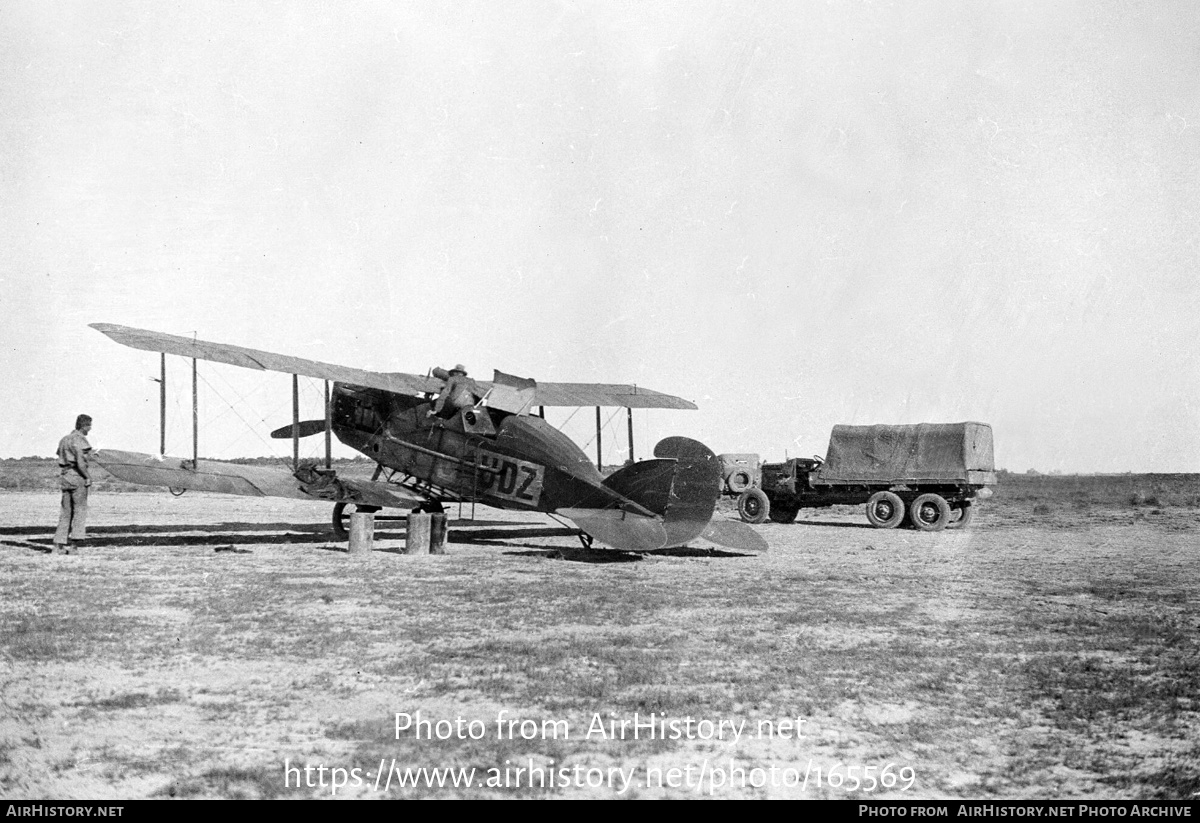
<point>599,435</point>
<point>195,419</point>
<point>295,422</point>
<point>630,412</point>
<point>328,430</point>
<point>599,451</point>
<point>162,405</point>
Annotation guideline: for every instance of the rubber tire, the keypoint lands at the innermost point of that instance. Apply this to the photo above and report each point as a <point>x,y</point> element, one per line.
<point>341,517</point>
<point>783,514</point>
<point>738,481</point>
<point>967,513</point>
<point>753,506</point>
<point>893,510</point>
<point>926,505</point>
<point>339,525</point>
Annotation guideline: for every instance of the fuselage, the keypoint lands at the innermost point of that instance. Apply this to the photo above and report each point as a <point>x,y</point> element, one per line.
<point>490,456</point>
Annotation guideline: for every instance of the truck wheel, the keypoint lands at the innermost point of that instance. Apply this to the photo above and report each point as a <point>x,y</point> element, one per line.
<point>960,516</point>
<point>739,481</point>
<point>783,514</point>
<point>753,506</point>
<point>930,512</point>
<point>885,510</point>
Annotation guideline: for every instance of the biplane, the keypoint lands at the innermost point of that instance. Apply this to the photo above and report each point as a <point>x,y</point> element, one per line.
<point>495,451</point>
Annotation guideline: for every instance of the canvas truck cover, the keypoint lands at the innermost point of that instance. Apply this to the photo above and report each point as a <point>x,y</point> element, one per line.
<point>925,452</point>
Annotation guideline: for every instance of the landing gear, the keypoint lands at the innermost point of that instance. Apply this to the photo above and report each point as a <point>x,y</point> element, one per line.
<point>341,516</point>
<point>586,540</point>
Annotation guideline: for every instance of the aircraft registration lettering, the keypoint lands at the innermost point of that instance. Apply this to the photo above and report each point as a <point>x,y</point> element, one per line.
<point>510,478</point>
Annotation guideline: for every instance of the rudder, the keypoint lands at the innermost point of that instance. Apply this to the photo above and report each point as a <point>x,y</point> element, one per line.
<point>694,489</point>
<point>682,486</point>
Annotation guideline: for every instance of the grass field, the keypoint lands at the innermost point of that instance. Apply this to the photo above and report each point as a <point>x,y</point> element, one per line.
<point>203,646</point>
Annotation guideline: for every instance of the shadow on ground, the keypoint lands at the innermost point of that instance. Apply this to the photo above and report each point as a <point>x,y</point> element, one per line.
<point>222,536</point>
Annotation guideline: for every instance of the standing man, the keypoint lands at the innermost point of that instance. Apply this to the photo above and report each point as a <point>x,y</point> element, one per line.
<point>75,476</point>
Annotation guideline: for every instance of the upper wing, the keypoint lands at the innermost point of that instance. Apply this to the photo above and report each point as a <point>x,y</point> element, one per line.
<point>606,394</point>
<point>265,361</point>
<point>546,394</point>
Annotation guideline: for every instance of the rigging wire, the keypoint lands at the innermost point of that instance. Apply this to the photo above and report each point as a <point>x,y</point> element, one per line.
<point>273,413</point>
<point>604,426</point>
<point>249,426</point>
<point>307,386</point>
<point>561,425</point>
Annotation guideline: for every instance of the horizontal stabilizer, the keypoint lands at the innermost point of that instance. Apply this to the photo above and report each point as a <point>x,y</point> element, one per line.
<point>681,486</point>
<point>251,481</point>
<point>621,530</point>
<point>307,428</point>
<point>734,535</point>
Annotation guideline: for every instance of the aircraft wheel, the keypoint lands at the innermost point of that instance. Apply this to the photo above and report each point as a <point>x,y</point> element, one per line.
<point>783,514</point>
<point>753,506</point>
<point>340,518</point>
<point>961,516</point>
<point>930,513</point>
<point>885,510</point>
<point>739,481</point>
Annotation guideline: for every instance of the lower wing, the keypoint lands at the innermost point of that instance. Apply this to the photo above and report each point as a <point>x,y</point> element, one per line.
<point>252,481</point>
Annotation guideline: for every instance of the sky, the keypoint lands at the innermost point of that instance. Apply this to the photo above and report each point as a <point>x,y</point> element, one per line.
<point>795,214</point>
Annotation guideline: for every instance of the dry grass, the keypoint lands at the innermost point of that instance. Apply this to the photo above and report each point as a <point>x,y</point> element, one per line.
<point>1039,654</point>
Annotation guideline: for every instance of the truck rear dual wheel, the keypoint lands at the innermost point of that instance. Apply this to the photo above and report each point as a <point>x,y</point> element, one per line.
<point>885,510</point>
<point>929,513</point>
<point>960,515</point>
<point>753,506</point>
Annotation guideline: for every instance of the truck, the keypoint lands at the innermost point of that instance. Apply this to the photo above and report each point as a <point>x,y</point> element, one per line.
<point>927,475</point>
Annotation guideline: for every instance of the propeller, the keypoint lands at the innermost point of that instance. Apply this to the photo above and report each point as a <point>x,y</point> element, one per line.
<point>307,427</point>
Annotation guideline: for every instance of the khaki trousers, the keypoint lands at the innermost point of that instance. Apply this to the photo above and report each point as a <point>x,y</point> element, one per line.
<point>72,521</point>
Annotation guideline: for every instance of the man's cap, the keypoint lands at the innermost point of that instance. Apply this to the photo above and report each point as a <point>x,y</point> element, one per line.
<point>460,368</point>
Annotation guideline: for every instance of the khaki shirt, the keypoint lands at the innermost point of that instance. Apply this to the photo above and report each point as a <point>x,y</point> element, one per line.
<point>74,455</point>
<point>460,392</point>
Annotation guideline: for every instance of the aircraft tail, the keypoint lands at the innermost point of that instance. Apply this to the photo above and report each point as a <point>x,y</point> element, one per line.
<point>682,485</point>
